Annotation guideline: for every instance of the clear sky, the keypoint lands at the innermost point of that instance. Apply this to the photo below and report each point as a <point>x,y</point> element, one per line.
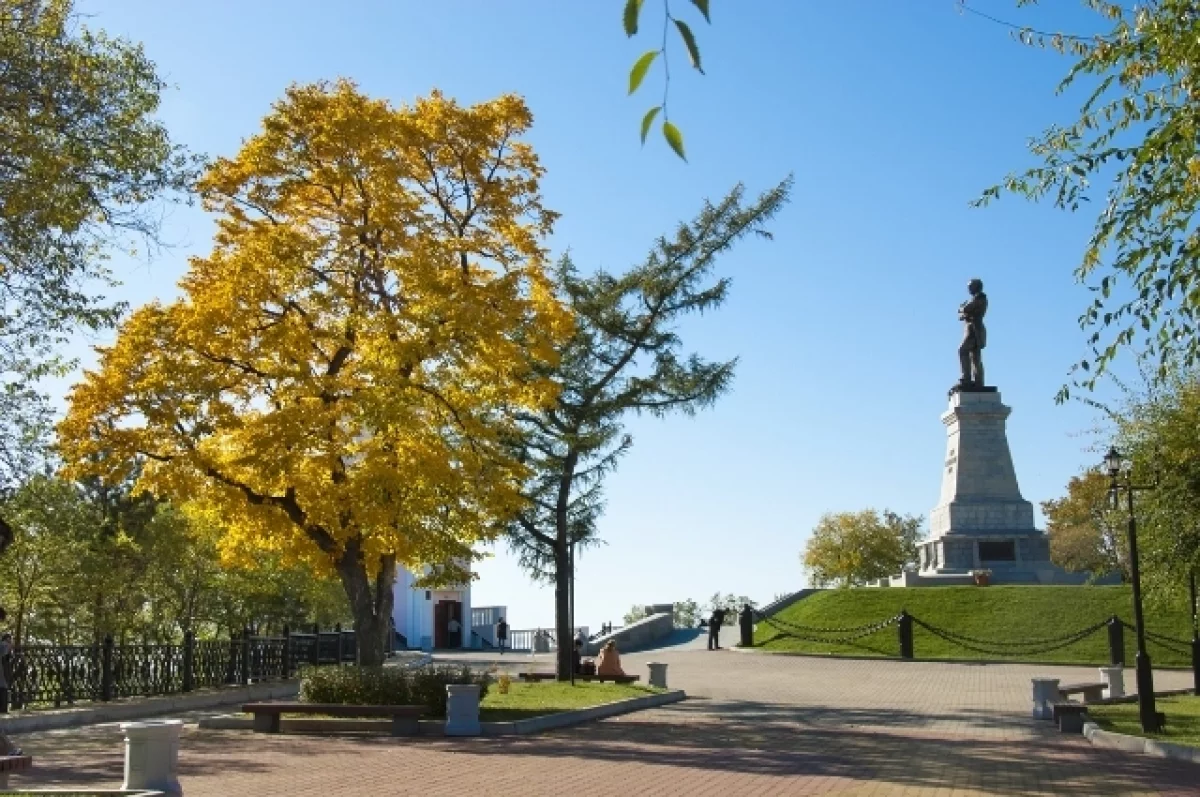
<point>892,116</point>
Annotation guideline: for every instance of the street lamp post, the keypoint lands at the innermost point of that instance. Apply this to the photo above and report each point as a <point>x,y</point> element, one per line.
<point>1145,676</point>
<point>1195,636</point>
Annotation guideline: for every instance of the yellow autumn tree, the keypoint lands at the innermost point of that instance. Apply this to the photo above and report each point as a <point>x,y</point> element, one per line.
<point>338,376</point>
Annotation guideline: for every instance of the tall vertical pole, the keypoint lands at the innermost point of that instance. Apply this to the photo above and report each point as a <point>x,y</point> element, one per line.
<point>1145,675</point>
<point>1195,636</point>
<point>571,642</point>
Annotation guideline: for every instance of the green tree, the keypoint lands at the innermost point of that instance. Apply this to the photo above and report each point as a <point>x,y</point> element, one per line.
<point>1135,134</point>
<point>623,358</point>
<point>82,156</point>
<point>852,548</point>
<point>1158,429</point>
<point>1086,533</point>
<point>685,613</point>
<point>732,604</point>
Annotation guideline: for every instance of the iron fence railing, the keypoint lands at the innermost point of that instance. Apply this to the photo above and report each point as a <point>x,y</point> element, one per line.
<point>57,675</point>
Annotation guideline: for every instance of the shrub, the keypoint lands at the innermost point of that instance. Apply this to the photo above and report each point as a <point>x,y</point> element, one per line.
<point>387,686</point>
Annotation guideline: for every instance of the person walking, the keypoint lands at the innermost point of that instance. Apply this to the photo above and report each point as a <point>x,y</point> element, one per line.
<point>454,633</point>
<point>714,629</point>
<point>501,634</point>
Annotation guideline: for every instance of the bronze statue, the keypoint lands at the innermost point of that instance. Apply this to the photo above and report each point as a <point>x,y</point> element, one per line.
<point>970,352</point>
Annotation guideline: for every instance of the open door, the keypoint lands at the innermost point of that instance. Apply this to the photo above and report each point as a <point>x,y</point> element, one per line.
<point>441,616</point>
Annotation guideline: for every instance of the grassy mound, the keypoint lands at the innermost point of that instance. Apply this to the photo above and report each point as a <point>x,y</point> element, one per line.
<point>995,615</point>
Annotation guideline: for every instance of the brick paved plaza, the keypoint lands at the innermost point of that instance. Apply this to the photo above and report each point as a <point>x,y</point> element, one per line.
<point>755,725</point>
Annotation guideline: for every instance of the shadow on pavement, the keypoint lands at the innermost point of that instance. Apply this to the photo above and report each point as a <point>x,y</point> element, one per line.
<point>860,745</point>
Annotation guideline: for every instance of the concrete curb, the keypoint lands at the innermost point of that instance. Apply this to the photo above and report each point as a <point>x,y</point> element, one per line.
<point>122,710</point>
<point>562,719</point>
<point>1139,745</point>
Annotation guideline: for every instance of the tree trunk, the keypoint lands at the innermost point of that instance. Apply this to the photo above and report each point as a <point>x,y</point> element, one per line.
<point>562,614</point>
<point>370,604</point>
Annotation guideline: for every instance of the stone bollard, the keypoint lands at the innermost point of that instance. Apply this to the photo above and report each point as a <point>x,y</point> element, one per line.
<point>462,710</point>
<point>1045,694</point>
<point>1114,681</point>
<point>152,755</point>
<point>658,674</point>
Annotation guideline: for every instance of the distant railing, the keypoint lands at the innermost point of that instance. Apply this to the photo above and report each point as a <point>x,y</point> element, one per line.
<point>57,675</point>
<point>526,639</point>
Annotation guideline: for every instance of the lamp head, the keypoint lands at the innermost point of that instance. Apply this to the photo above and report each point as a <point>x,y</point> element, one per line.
<point>1112,462</point>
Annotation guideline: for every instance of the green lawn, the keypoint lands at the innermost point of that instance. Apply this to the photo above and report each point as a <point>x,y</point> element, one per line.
<point>996,613</point>
<point>1183,719</point>
<point>525,700</point>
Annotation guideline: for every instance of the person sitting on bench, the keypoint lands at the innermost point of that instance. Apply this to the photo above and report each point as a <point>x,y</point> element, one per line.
<point>608,665</point>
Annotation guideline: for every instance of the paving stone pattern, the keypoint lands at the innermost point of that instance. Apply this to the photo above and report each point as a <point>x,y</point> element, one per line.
<point>756,725</point>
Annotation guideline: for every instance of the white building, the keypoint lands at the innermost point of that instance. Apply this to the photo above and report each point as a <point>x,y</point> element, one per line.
<point>422,616</point>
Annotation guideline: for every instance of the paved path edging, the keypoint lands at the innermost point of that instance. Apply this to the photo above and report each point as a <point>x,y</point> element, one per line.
<point>1139,744</point>
<point>119,711</point>
<point>562,719</point>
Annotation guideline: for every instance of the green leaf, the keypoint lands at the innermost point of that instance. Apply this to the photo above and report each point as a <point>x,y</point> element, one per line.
<point>640,68</point>
<point>703,6</point>
<point>674,138</point>
<point>648,120</point>
<point>690,41</point>
<point>632,7</point>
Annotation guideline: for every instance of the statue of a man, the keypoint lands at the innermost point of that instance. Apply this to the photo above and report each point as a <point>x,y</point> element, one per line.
<point>970,352</point>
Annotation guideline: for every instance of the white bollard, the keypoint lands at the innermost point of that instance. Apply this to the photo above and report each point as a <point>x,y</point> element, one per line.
<point>152,755</point>
<point>1114,680</point>
<point>462,710</point>
<point>1045,694</point>
<point>658,674</point>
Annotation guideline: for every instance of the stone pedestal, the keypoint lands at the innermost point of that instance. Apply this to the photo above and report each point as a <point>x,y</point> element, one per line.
<point>981,521</point>
<point>1045,695</point>
<point>152,755</point>
<point>462,710</point>
<point>1114,681</point>
<point>658,674</point>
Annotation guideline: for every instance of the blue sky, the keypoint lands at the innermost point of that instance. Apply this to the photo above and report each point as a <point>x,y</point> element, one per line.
<point>891,115</point>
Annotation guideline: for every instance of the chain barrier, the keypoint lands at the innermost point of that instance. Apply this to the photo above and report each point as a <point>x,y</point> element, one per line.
<point>1028,643</point>
<point>807,629</point>
<point>1000,649</point>
<point>1182,647</point>
<point>865,631</point>
<point>1160,638</point>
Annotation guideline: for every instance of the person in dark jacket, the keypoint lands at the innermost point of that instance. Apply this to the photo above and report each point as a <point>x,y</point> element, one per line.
<point>714,629</point>
<point>501,634</point>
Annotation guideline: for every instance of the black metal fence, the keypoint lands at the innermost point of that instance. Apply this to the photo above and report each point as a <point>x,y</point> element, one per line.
<point>57,675</point>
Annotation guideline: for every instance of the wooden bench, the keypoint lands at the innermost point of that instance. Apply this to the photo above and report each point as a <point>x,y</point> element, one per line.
<point>13,763</point>
<point>1069,716</point>
<point>549,676</point>
<point>1090,691</point>
<point>267,715</point>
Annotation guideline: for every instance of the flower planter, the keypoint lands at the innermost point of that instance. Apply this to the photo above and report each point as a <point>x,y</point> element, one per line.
<point>982,579</point>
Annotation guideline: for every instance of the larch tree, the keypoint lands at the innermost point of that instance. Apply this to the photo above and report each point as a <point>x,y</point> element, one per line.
<point>339,376</point>
<point>623,358</point>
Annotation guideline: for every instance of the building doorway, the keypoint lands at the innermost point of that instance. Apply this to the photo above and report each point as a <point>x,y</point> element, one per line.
<point>443,612</point>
